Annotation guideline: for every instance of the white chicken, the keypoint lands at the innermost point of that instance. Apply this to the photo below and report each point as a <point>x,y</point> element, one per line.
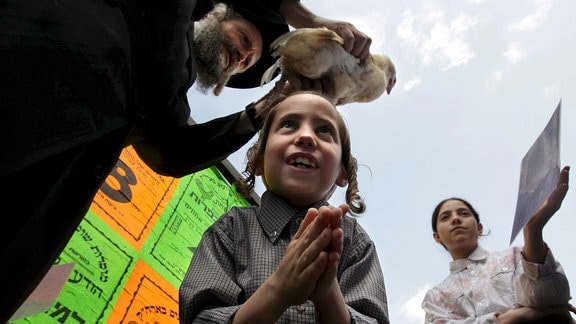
<point>318,52</point>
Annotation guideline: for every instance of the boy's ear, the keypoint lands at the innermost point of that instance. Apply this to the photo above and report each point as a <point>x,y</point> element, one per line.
<point>342,180</point>
<point>259,168</point>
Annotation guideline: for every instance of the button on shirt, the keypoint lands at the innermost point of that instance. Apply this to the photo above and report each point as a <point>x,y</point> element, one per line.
<point>486,283</point>
<point>245,246</point>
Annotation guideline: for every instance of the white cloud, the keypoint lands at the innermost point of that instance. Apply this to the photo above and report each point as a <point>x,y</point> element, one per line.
<point>493,79</point>
<point>375,26</point>
<point>497,75</point>
<point>534,20</point>
<point>412,308</point>
<point>405,29</point>
<point>411,84</point>
<point>551,91</point>
<point>515,53</point>
<point>437,39</point>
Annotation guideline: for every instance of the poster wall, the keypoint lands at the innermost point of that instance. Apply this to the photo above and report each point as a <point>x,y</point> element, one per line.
<point>133,248</point>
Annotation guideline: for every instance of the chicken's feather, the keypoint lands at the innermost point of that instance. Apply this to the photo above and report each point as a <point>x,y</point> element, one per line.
<point>318,52</point>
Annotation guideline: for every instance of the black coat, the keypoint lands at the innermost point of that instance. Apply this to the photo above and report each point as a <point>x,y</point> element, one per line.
<point>79,81</point>
<point>73,71</point>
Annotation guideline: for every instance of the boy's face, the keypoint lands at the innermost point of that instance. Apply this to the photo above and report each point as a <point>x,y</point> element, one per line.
<point>302,161</point>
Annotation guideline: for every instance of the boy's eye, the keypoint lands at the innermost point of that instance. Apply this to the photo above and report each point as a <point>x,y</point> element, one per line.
<point>288,124</point>
<point>325,130</point>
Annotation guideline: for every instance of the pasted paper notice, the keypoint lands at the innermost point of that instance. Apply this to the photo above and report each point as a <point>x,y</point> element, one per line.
<point>539,173</point>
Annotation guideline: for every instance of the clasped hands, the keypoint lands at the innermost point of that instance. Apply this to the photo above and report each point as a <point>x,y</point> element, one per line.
<point>308,269</point>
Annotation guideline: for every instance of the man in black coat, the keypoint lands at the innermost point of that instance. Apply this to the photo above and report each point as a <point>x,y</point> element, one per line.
<point>82,79</point>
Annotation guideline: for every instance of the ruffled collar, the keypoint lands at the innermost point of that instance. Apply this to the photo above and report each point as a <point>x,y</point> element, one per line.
<point>478,255</point>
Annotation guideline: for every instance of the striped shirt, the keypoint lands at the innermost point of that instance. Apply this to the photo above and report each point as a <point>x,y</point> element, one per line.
<point>245,246</point>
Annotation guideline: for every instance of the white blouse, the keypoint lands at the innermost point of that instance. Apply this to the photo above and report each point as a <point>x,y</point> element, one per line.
<point>486,283</point>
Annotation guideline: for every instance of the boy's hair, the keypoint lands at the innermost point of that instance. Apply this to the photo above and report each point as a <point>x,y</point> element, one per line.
<point>256,153</point>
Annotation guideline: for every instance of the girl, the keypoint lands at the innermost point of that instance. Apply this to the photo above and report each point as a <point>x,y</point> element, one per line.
<point>293,259</point>
<point>514,286</point>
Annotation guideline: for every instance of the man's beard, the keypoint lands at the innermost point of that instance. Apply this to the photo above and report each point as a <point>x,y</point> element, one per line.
<point>208,43</point>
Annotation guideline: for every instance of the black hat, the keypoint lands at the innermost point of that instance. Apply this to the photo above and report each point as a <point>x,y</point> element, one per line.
<point>251,78</point>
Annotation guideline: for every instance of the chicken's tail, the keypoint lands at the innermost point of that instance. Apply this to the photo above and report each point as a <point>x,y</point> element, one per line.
<point>269,73</point>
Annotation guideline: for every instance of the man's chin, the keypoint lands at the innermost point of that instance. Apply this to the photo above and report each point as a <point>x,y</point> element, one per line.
<point>204,86</point>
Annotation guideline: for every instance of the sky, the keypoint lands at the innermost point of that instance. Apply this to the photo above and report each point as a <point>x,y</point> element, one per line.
<point>477,83</point>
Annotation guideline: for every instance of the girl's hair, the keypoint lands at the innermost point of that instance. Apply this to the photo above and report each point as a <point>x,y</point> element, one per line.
<point>255,154</point>
<point>437,211</point>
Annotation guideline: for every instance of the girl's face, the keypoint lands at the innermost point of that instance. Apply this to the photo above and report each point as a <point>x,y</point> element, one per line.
<point>458,230</point>
<point>302,162</point>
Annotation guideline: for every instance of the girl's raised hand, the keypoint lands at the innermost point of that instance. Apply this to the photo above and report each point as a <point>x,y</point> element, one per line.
<point>552,203</point>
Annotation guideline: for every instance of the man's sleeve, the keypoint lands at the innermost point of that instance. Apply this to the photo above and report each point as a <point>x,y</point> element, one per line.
<point>191,148</point>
